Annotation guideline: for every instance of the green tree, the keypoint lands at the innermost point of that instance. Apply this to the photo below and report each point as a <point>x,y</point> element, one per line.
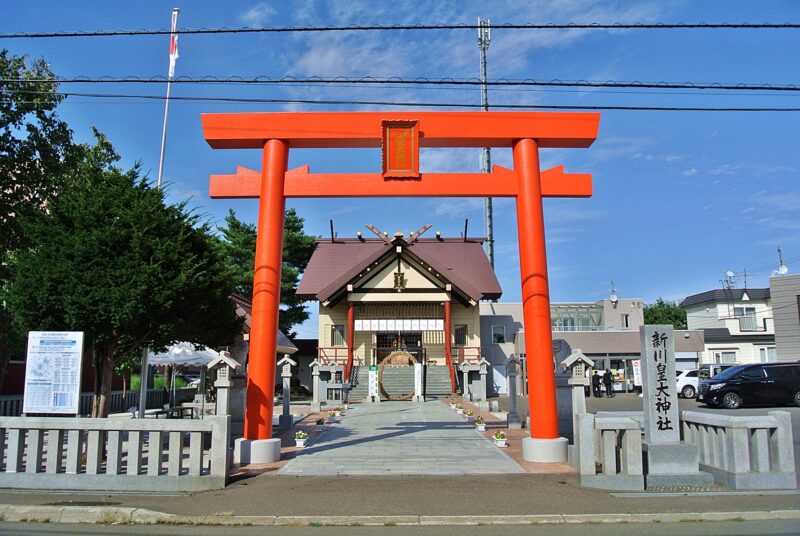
<point>35,150</point>
<point>239,247</point>
<point>112,260</point>
<point>665,312</point>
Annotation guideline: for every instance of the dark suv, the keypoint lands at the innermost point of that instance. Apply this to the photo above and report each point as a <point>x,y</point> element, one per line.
<point>769,384</point>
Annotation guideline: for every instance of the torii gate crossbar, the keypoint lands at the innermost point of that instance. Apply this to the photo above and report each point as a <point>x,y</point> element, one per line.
<point>524,132</point>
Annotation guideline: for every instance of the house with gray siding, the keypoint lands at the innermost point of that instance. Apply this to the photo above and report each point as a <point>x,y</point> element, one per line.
<point>785,292</point>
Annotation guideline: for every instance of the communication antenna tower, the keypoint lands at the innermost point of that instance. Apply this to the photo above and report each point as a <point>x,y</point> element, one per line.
<point>782,268</point>
<point>484,37</point>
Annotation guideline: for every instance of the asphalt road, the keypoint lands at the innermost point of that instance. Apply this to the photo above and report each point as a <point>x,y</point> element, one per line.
<point>743,528</point>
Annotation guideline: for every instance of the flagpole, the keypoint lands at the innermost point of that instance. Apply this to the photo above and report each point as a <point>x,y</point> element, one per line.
<point>144,369</point>
<point>166,104</point>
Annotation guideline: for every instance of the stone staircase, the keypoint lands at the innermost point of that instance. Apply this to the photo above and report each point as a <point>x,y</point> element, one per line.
<point>399,381</point>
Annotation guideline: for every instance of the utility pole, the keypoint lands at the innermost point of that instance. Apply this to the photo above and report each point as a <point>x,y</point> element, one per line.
<point>484,36</point>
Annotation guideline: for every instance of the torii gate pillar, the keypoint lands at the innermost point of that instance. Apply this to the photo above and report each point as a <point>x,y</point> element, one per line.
<point>544,445</point>
<point>258,445</point>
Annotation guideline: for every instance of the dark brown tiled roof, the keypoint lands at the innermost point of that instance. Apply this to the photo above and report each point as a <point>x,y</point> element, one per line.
<point>462,263</point>
<point>726,295</point>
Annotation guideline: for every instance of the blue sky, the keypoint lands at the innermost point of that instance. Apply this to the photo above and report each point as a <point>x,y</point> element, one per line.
<point>680,197</point>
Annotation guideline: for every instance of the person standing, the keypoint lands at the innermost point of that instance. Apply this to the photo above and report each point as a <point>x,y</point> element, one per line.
<point>596,385</point>
<point>608,383</point>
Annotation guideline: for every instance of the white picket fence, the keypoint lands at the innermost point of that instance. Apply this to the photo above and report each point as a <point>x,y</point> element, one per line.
<point>114,454</point>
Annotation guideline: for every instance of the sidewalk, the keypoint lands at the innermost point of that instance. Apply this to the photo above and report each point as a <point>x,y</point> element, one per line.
<point>469,496</point>
<point>259,495</point>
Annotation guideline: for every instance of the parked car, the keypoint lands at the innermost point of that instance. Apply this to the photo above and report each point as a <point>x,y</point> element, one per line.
<point>687,382</point>
<point>769,383</point>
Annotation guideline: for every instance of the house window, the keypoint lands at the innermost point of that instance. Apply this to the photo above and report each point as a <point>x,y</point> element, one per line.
<point>726,358</point>
<point>568,323</point>
<point>739,312</point>
<point>337,335</point>
<point>767,354</point>
<point>623,320</point>
<point>460,335</point>
<point>498,334</point>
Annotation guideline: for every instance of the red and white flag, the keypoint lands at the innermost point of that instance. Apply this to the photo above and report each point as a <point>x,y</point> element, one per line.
<point>173,44</point>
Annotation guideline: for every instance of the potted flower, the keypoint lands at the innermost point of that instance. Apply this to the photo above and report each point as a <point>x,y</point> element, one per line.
<point>470,414</point>
<point>331,416</point>
<point>500,438</point>
<point>460,409</point>
<point>453,403</point>
<point>300,438</point>
<point>338,411</point>
<point>320,425</point>
<point>480,424</point>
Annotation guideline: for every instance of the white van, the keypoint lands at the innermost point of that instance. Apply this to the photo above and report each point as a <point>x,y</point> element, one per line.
<point>687,381</point>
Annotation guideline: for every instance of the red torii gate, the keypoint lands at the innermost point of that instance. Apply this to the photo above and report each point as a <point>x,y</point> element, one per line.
<point>400,135</point>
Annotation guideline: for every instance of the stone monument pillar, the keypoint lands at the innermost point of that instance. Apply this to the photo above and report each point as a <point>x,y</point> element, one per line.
<point>669,461</point>
<point>285,420</point>
<point>465,394</point>
<point>513,420</point>
<point>483,402</point>
<point>315,403</point>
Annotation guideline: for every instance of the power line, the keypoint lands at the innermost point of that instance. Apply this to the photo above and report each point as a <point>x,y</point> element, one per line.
<point>398,27</point>
<point>416,104</point>
<point>421,81</point>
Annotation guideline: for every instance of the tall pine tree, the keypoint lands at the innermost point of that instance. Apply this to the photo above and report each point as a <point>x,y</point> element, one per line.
<point>239,247</point>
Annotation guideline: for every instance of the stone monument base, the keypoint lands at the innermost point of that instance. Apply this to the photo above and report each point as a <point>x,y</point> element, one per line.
<point>513,421</point>
<point>316,406</point>
<point>483,405</point>
<point>673,464</point>
<point>372,399</point>
<point>418,398</point>
<point>285,421</point>
<point>544,450</point>
<point>247,451</point>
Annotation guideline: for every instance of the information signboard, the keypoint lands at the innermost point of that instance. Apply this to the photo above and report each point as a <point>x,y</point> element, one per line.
<point>53,372</point>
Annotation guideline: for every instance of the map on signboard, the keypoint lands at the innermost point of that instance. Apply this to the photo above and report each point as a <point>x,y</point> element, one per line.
<point>53,372</point>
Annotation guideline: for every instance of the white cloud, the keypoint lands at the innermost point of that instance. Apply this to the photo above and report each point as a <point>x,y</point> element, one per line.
<point>605,149</point>
<point>691,172</point>
<point>460,207</point>
<point>258,14</point>
<point>783,202</point>
<point>727,169</point>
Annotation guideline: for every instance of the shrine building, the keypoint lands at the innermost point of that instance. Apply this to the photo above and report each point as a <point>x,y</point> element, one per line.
<point>399,300</point>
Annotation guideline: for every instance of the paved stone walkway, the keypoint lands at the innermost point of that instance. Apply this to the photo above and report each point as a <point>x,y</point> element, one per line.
<point>401,438</point>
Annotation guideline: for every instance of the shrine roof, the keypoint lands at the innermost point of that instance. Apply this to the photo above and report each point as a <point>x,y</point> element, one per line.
<point>462,263</point>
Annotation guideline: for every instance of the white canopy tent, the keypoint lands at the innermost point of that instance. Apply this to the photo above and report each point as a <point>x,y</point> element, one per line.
<point>183,353</point>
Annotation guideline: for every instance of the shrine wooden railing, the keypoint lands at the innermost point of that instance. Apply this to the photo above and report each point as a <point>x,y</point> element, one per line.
<point>332,355</point>
<point>470,354</point>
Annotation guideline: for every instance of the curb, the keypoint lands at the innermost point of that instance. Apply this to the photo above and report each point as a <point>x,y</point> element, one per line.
<point>132,516</point>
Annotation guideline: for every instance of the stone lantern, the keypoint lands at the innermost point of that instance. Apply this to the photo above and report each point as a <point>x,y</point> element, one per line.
<point>225,365</point>
<point>286,364</point>
<point>576,364</point>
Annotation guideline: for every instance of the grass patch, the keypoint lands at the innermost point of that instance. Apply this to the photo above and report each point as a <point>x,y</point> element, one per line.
<point>737,519</point>
<point>389,524</point>
<point>35,520</point>
<point>113,518</point>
